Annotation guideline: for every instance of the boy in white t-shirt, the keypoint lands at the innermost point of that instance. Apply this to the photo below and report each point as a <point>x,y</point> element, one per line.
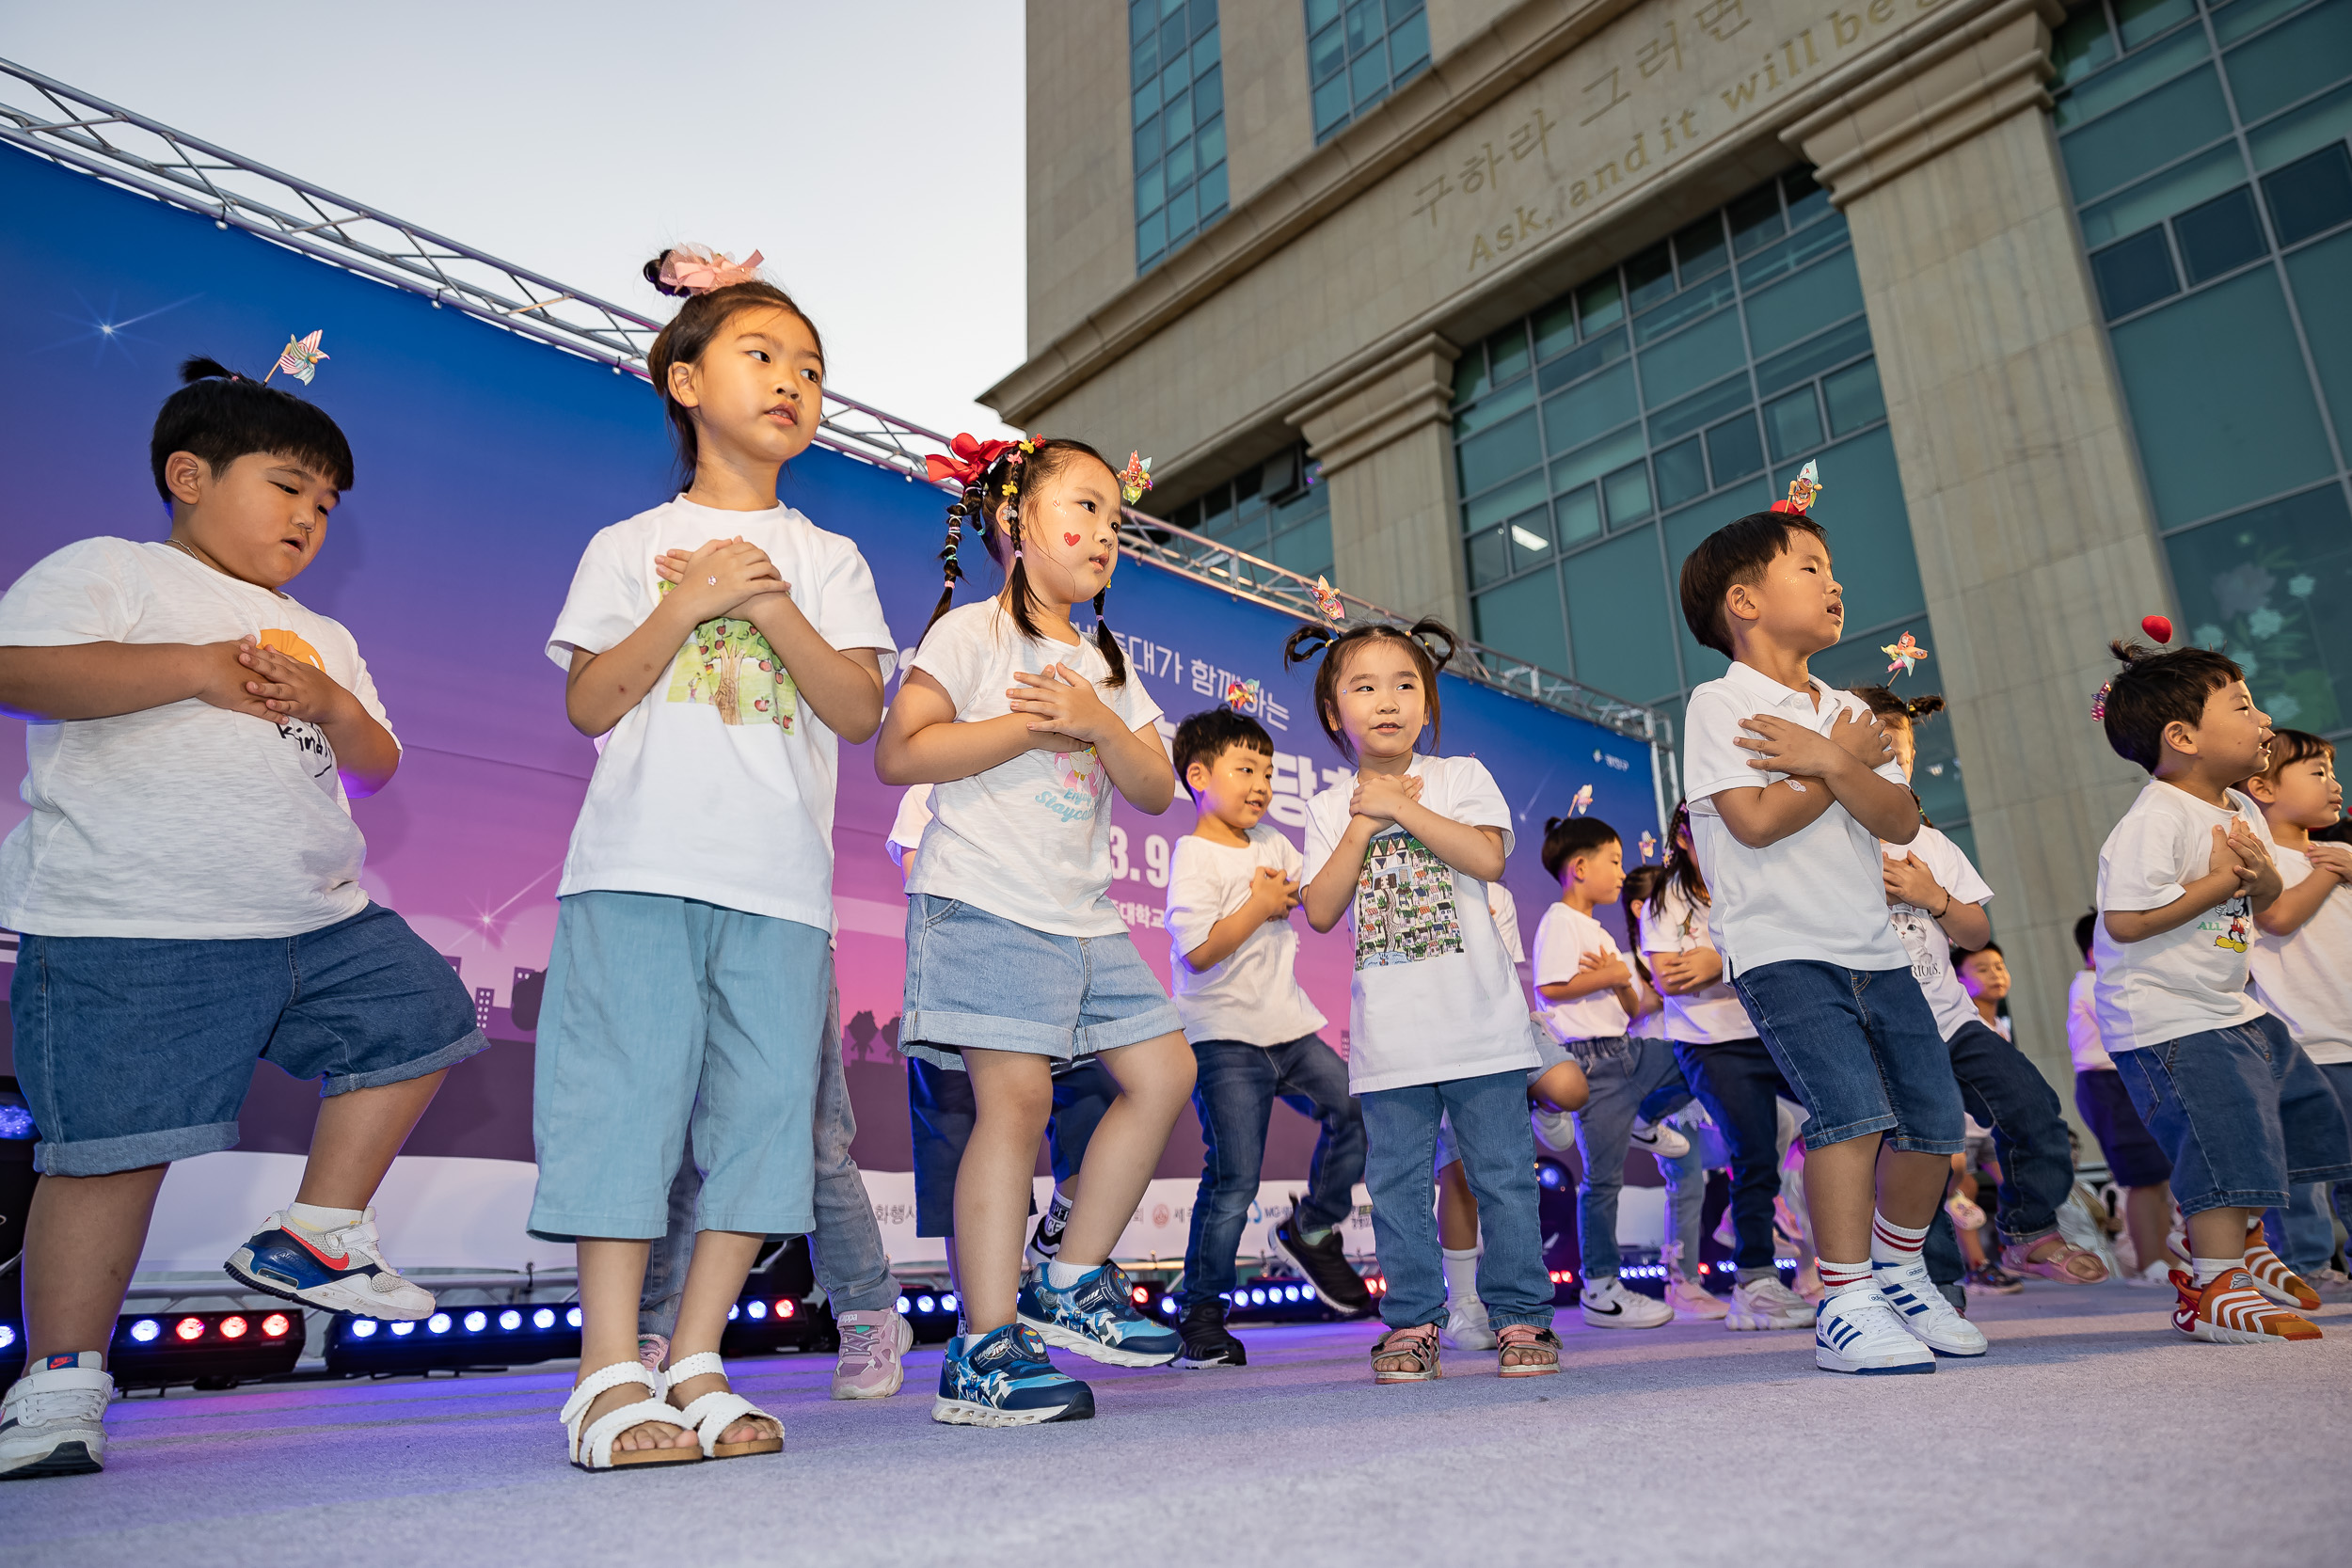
<point>196,739</point>
<point>1792,787</point>
<point>1231,952</point>
<point>2240,1109</point>
<point>2302,966</point>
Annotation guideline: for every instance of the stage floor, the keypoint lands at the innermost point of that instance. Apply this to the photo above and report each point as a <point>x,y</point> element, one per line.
<point>2092,1434</point>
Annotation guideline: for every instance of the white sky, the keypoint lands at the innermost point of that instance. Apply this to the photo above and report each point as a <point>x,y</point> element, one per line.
<point>845,141</point>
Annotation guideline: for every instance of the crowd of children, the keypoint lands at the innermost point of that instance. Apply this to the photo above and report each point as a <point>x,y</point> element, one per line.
<point>1807,985</point>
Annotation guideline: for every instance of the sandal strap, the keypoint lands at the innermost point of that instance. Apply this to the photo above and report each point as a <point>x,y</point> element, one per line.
<point>701,1364</point>
<point>711,1415</point>
<point>602,1431</point>
<point>601,1379</point>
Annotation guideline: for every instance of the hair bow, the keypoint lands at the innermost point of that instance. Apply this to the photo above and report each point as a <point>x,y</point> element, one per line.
<point>693,270</point>
<point>1136,478</point>
<point>971,458</point>
<point>1802,490</point>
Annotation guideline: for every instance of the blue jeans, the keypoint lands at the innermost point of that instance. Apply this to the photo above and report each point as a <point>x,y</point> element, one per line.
<point>1862,1050</point>
<point>2308,1234</point>
<point>847,1245</point>
<point>1686,1193</point>
<point>1623,1071</point>
<point>2241,1112</point>
<point>1235,1092</point>
<point>1737,1082</point>
<point>1498,1148</point>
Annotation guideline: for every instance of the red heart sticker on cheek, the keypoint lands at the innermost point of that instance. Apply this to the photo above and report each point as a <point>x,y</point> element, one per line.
<point>1069,538</point>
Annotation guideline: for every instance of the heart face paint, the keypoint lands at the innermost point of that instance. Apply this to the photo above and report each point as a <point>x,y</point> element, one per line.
<point>1070,539</point>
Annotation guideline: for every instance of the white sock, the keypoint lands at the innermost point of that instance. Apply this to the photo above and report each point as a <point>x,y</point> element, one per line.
<point>1061,1275</point>
<point>2210,1269</point>
<point>318,1219</point>
<point>1461,1273</point>
<point>1895,1244</point>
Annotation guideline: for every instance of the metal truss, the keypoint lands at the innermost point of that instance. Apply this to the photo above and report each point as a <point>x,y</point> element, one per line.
<point>52,120</point>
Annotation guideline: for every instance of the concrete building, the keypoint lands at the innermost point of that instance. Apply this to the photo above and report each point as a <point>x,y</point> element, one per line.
<point>1495,309</point>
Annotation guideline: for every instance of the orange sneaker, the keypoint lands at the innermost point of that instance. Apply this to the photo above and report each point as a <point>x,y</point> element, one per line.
<point>2231,1311</point>
<point>2272,1277</point>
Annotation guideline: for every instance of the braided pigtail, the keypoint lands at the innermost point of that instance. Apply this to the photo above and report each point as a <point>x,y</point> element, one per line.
<point>965,508</point>
<point>1108,645</point>
<point>1307,643</point>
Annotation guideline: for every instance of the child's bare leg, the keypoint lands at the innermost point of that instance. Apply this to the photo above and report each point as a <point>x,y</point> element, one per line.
<point>723,1260</point>
<point>1012,1093</point>
<point>1910,1186</point>
<point>1154,1082</point>
<point>1562,1088</point>
<point>612,1278</point>
<point>353,1142</point>
<point>1838,1196</point>
<point>2148,1214</point>
<point>1458,1210</point>
<point>2221,1232</point>
<point>82,1242</point>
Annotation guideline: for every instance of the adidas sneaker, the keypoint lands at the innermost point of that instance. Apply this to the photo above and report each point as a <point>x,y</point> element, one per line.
<point>1859,1332</point>
<point>1924,1311</point>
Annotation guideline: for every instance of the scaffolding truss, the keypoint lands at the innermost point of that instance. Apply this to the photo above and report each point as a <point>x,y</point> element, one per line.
<point>53,120</point>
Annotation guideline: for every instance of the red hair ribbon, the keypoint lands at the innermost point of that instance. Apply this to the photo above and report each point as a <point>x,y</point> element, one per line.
<point>971,459</point>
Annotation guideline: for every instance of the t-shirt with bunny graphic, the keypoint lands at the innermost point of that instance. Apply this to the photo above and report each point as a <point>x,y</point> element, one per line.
<point>2188,980</point>
<point>1028,840</point>
<point>185,820</point>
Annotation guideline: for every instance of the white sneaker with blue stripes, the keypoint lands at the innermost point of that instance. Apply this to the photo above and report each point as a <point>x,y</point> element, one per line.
<point>1925,1311</point>
<point>1858,1331</point>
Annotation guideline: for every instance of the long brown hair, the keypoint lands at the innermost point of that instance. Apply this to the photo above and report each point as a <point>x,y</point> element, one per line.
<point>689,332</point>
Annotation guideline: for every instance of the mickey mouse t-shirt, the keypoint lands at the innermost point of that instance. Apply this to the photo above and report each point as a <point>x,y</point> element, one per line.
<point>2190,979</point>
<point>1029,839</point>
<point>185,820</point>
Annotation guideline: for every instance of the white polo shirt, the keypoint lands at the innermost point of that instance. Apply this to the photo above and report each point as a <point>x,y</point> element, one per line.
<point>1817,894</point>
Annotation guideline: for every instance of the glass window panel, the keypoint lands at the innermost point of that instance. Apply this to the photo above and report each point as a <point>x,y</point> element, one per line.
<point>1627,493</point>
<point>1179,117</point>
<point>1174,33</point>
<point>1870,531</point>
<point>1529,534</point>
<point>2127,81</point>
<point>1555,329</point>
<point>1147,99</point>
<point>1494,411</point>
<point>1793,423</point>
<point>1489,557</point>
<point>1507,352</point>
<point>2220,236</point>
<point>1523,619</point>
<point>1734,451</point>
<point>1792,255</point>
<point>1368,75</point>
<point>1150,238</point>
<point>1364,26</point>
<point>1182,215</point>
<point>1175,79</point>
<point>1321,13</point>
<point>1618,616</point>
<point>1208,95</point>
<point>1681,473</point>
<point>1807,201</point>
<point>1809,359</point>
<point>1408,46</point>
<point>1596,352</point>
<point>2141,20</point>
<point>1212,188</point>
<point>1211,142</point>
<point>1215,505</point>
<point>1699,249</point>
<point>1577,414</point>
<point>1579,514</point>
<point>1755,220</point>
<point>2290,137</point>
<point>1684,529</point>
<point>2235,21</point>
<point>2135,274</point>
<point>1142,21</point>
<point>1150,190</point>
<point>1402,12</point>
<point>1179,165</point>
<point>1705,408</point>
<point>1803,304</point>
<point>2153,200</point>
<point>1496,454</point>
<point>1599,305</point>
<point>1307,549</point>
<point>2291,61</point>
<point>1469,374</point>
<point>1609,453</point>
<point>2276,584</point>
<point>2310,197</point>
<point>1686,307</point>
<point>1205,47</point>
<point>1148,143</point>
<point>2219,399</point>
<point>1855,398</point>
<point>2082,44</point>
<point>2165,125</point>
<point>1649,277</point>
<point>1330,105</point>
<point>2325,305</point>
<point>1326,53</point>
<point>1691,360</point>
<point>1509,501</point>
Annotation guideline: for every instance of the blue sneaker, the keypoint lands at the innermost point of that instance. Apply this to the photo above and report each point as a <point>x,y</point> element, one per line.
<point>342,1271</point>
<point>1097,1317</point>
<point>1002,1378</point>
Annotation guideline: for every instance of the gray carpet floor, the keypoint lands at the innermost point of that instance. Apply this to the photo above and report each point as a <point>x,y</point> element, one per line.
<point>2093,1434</point>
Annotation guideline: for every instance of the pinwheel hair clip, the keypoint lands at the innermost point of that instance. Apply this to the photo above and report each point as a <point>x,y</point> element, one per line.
<point>688,270</point>
<point>1135,479</point>
<point>1241,696</point>
<point>300,358</point>
<point>1802,491</point>
<point>1905,653</point>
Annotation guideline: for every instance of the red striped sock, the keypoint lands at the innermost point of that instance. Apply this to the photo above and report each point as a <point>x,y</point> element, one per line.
<point>1895,1243</point>
<point>1838,1277</point>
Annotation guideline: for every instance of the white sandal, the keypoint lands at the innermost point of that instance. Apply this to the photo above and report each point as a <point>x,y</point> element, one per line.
<point>711,1415</point>
<point>592,1450</point>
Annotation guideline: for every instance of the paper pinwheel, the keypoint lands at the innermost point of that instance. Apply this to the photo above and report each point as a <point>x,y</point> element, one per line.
<point>1905,651</point>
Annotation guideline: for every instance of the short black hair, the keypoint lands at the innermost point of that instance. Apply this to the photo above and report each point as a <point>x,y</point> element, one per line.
<point>1567,837</point>
<point>221,415</point>
<point>2158,687</point>
<point>1203,736</point>
<point>2085,928</point>
<point>1735,553</point>
<point>2289,747</point>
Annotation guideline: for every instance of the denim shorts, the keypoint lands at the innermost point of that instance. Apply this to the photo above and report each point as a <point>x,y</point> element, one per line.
<point>2241,1113</point>
<point>978,979</point>
<point>135,1050</point>
<point>1861,1047</point>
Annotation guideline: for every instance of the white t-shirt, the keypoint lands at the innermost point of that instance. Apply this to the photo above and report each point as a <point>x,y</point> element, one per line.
<point>1930,950</point>
<point>1651,1025</point>
<point>1028,840</point>
<point>1561,940</point>
<point>1253,996</point>
<point>718,784</point>
<point>2191,979</point>
<point>1815,895</point>
<point>1435,996</point>
<point>1713,1014</point>
<point>2082,1025</point>
<point>906,828</point>
<point>185,820</point>
<point>2306,978</point>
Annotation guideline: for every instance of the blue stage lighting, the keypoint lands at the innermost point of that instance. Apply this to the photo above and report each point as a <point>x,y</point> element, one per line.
<point>477,1322</point>
<point>925,1303</point>
<point>947,1303</point>
<point>8,1336</point>
<point>757,1310</point>
<point>734,1312</point>
<point>145,1331</point>
<point>438,1323</point>
<point>543,1317</point>
<point>905,1307</point>
<point>365,1326</point>
<point>572,1318</point>
<point>510,1320</point>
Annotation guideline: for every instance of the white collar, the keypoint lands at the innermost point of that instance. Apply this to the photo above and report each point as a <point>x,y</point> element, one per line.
<point>1757,684</point>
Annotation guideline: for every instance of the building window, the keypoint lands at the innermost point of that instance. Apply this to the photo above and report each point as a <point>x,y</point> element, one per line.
<point>1358,51</point>
<point>1599,440</point>
<point>1278,511</point>
<point>1178,123</point>
<point>2208,154</point>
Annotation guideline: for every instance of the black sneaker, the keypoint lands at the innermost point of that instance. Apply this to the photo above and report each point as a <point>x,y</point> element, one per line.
<point>1326,1267</point>
<point>1206,1344</point>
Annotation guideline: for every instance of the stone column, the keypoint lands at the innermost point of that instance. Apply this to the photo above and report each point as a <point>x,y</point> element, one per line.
<point>2034,535</point>
<point>1385,439</point>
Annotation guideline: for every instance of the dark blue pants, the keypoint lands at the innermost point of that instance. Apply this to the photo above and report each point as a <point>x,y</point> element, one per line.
<point>1737,1082</point>
<point>1235,1092</point>
<point>2004,1090</point>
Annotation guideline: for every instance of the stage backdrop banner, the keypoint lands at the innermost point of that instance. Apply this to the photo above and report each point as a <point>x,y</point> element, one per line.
<point>484,462</point>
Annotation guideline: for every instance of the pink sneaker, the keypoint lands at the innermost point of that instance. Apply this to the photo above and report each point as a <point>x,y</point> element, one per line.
<point>872,1345</point>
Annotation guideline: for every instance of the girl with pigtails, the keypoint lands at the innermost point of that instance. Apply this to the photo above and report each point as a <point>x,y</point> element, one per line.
<point>1438,1025</point>
<point>1016,958</point>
